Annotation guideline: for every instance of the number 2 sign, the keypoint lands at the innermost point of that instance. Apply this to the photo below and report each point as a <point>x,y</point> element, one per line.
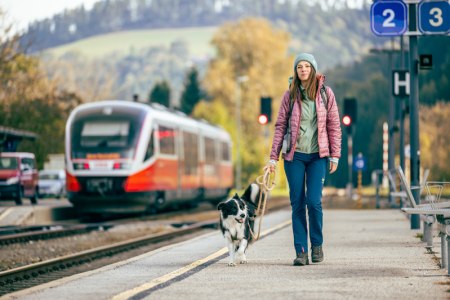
<point>434,16</point>
<point>388,18</point>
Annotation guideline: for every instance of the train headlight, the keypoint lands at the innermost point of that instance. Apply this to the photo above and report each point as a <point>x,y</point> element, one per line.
<point>81,166</point>
<point>121,166</point>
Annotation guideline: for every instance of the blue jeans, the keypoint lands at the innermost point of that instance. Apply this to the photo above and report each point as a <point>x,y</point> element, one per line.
<point>314,168</point>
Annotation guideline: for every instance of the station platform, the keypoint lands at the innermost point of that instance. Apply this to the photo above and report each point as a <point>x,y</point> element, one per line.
<point>370,254</point>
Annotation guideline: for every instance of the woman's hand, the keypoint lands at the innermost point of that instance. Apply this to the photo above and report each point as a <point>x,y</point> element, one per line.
<point>333,167</point>
<point>271,166</point>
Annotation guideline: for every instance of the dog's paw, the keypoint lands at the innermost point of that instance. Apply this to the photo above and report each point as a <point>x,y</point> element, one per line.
<point>231,264</point>
<point>244,261</point>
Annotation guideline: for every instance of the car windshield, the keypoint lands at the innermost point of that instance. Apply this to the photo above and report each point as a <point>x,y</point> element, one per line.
<point>8,163</point>
<point>48,176</point>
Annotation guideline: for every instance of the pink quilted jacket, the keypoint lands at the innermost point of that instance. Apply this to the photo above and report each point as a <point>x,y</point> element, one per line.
<point>328,122</point>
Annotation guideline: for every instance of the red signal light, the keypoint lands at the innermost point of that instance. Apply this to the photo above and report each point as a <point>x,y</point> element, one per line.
<point>347,120</point>
<point>262,119</point>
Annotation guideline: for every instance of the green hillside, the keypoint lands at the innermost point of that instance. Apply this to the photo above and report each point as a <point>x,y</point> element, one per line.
<point>197,39</point>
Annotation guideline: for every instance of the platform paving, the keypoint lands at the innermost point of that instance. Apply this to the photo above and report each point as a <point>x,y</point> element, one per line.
<point>369,254</point>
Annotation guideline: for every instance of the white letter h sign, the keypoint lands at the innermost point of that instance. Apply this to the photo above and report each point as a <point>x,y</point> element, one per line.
<point>401,83</point>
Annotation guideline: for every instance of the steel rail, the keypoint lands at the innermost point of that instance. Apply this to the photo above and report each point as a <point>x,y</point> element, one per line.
<point>51,233</point>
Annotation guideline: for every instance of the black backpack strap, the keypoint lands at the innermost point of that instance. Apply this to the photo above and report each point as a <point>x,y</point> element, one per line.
<point>323,93</point>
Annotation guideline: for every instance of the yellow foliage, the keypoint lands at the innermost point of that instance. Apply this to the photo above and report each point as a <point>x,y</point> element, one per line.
<point>435,140</point>
<point>253,48</point>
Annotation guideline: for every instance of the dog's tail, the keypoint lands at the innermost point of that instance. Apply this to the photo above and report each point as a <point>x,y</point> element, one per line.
<point>252,194</point>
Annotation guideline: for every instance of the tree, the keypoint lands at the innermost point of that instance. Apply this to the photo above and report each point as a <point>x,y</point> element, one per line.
<point>435,140</point>
<point>160,94</point>
<point>250,47</point>
<point>192,93</point>
<point>29,101</point>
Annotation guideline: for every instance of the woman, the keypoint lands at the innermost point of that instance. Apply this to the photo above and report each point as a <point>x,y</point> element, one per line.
<point>315,141</point>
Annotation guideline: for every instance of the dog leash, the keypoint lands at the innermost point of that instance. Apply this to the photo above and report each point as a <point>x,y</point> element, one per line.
<point>266,183</point>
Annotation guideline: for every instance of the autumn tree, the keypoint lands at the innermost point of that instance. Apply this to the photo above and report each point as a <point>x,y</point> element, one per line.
<point>435,140</point>
<point>29,101</point>
<point>253,48</point>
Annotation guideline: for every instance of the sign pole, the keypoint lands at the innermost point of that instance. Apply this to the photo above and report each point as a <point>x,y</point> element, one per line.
<point>350,164</point>
<point>391,123</point>
<point>414,112</point>
<point>359,201</point>
<point>402,109</point>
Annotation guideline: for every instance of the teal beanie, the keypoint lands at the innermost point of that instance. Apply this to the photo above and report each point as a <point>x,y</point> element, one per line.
<point>306,57</point>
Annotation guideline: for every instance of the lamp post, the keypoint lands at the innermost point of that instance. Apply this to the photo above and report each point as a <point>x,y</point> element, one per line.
<point>239,80</point>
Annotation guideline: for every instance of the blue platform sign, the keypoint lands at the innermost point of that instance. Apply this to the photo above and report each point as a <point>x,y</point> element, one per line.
<point>434,17</point>
<point>388,18</point>
<point>359,164</point>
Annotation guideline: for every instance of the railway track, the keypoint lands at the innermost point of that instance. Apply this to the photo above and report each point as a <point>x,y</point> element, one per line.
<point>48,232</point>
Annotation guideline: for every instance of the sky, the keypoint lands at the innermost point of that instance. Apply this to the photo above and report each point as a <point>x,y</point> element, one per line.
<point>21,12</point>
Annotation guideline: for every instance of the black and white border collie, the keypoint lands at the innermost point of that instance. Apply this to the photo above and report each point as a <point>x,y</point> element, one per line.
<point>237,218</point>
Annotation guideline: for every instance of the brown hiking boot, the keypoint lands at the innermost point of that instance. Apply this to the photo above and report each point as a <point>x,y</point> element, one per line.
<point>302,259</point>
<point>316,254</point>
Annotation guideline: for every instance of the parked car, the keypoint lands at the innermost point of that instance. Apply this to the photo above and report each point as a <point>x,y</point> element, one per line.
<point>52,183</point>
<point>18,176</point>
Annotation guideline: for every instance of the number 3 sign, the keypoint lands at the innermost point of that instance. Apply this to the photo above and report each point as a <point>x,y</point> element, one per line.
<point>434,16</point>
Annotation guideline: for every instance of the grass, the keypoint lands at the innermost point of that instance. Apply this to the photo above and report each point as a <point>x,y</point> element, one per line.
<point>197,38</point>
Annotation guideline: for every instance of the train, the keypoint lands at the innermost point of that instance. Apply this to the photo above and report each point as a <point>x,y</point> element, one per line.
<point>129,157</point>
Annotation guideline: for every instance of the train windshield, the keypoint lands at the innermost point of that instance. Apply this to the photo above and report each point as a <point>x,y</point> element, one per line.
<point>8,163</point>
<point>103,137</point>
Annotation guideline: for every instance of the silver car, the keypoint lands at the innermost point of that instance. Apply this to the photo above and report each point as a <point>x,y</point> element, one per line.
<point>52,183</point>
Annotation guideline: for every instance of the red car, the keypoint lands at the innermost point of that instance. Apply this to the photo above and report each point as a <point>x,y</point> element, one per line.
<point>18,176</point>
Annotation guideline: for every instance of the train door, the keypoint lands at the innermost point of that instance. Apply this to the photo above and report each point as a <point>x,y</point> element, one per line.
<point>190,177</point>
<point>225,165</point>
<point>167,163</point>
<point>210,166</point>
<point>181,158</point>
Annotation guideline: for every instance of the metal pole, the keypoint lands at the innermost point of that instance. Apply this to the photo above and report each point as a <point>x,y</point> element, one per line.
<point>402,110</point>
<point>391,149</point>
<point>238,137</point>
<point>350,162</point>
<point>359,201</point>
<point>238,182</point>
<point>414,112</point>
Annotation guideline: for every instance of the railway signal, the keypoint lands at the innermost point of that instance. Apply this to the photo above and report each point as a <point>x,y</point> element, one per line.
<point>347,120</point>
<point>265,115</point>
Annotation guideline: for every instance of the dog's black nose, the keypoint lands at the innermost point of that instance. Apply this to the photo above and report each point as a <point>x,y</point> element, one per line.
<point>242,215</point>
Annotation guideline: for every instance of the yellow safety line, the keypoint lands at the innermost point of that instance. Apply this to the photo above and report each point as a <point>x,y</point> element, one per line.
<point>6,212</point>
<point>160,280</point>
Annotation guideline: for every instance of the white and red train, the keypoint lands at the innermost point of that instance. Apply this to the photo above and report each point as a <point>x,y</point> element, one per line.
<point>125,156</point>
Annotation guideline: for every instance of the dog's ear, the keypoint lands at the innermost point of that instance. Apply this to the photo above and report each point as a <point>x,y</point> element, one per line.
<point>236,196</point>
<point>219,207</point>
<point>247,194</point>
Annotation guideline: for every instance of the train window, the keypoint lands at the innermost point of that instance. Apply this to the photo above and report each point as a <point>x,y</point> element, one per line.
<point>150,148</point>
<point>105,134</point>
<point>8,163</point>
<point>166,138</point>
<point>28,163</point>
<point>224,151</point>
<point>190,146</point>
<point>210,157</point>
